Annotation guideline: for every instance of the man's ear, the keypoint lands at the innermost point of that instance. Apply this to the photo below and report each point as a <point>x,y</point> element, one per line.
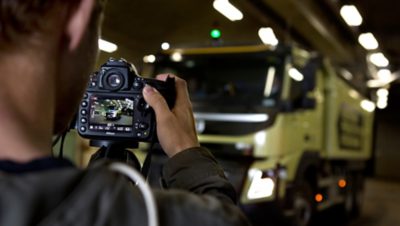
<point>78,22</point>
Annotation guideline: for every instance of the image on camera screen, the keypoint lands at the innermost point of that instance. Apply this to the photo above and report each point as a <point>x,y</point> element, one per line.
<point>111,114</point>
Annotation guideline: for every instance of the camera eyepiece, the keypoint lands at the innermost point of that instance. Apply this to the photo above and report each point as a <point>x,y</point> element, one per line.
<point>114,80</point>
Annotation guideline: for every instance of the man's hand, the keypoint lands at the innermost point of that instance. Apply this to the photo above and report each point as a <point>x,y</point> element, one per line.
<point>175,128</point>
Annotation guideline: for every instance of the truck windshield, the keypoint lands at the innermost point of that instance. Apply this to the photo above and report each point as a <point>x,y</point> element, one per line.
<point>228,79</point>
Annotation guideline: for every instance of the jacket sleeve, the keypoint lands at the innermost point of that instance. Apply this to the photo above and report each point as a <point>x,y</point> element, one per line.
<point>196,170</point>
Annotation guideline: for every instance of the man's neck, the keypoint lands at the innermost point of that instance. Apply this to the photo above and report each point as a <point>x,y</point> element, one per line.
<point>26,107</point>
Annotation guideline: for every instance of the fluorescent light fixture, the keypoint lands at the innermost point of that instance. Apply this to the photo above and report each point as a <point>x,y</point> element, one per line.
<point>368,41</point>
<point>149,59</point>
<point>382,104</point>
<point>176,57</point>
<point>367,105</point>
<point>382,92</point>
<point>379,60</point>
<point>295,74</point>
<point>383,98</point>
<point>260,187</point>
<point>351,15</point>
<point>354,94</point>
<point>267,36</point>
<point>385,75</point>
<point>375,83</point>
<point>228,10</point>
<point>106,46</point>
<point>165,46</point>
<point>346,74</point>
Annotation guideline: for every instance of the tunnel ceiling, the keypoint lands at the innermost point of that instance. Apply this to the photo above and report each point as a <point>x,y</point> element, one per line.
<point>139,27</point>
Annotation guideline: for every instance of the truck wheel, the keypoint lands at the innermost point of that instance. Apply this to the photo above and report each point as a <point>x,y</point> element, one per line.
<point>303,206</point>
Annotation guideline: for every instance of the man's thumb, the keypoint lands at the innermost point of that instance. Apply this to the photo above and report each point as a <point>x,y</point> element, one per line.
<point>155,100</point>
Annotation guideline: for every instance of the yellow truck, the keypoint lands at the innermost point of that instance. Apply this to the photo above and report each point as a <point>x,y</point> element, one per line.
<point>292,135</point>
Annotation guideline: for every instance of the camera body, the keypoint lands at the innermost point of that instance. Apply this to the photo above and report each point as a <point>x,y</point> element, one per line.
<point>113,107</point>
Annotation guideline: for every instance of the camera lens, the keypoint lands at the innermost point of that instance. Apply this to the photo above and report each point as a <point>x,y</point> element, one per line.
<point>115,81</point>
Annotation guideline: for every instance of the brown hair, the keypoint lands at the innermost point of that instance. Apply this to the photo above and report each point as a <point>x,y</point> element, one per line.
<point>19,18</point>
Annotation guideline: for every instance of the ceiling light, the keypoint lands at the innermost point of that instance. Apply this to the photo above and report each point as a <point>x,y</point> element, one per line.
<point>385,75</point>
<point>176,57</point>
<point>165,46</point>
<point>107,46</point>
<point>368,41</point>
<point>379,60</point>
<point>382,104</point>
<point>346,74</point>
<point>228,10</point>
<point>375,83</point>
<point>351,15</point>
<point>382,92</point>
<point>267,36</point>
<point>149,59</point>
<point>295,74</point>
<point>354,94</point>
<point>367,105</point>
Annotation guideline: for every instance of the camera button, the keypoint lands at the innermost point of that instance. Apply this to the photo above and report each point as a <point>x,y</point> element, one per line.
<point>82,129</point>
<point>83,112</point>
<point>84,104</point>
<point>137,85</point>
<point>143,126</point>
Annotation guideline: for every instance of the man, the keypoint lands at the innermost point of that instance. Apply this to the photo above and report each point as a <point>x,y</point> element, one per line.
<point>47,51</point>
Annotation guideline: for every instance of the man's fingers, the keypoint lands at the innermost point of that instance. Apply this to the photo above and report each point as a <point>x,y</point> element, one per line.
<point>182,95</point>
<point>156,101</point>
<point>163,77</point>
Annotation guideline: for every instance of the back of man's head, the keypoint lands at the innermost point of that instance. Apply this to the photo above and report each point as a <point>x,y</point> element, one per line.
<point>22,18</point>
<point>47,51</point>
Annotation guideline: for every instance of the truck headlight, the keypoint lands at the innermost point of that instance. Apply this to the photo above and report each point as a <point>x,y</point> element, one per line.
<point>260,187</point>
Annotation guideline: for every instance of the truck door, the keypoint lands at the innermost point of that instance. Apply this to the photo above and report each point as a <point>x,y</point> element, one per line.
<point>304,108</point>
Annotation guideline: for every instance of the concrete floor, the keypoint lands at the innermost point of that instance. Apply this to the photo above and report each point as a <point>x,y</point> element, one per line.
<point>381,207</point>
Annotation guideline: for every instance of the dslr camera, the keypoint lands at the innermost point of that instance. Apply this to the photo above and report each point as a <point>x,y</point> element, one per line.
<point>113,107</point>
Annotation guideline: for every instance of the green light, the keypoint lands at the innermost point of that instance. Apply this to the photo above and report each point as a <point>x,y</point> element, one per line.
<point>215,33</point>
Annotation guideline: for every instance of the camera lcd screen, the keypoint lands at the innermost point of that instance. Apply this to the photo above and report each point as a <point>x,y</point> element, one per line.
<point>111,114</point>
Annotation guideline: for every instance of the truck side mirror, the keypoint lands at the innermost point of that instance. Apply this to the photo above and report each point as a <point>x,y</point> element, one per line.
<point>309,72</point>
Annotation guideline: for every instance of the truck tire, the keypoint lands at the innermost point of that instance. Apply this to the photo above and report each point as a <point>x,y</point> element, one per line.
<point>303,206</point>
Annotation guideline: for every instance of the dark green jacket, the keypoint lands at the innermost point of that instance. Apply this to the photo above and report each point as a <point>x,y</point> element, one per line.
<point>96,196</point>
